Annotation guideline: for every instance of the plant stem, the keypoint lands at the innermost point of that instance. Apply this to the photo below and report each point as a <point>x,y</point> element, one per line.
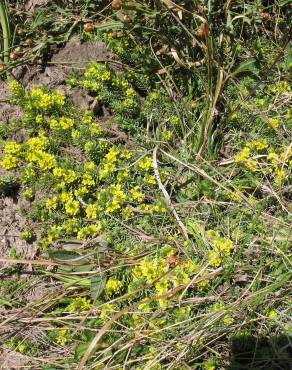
<point>4,21</point>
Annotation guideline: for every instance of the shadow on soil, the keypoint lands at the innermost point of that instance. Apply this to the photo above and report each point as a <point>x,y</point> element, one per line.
<point>250,353</point>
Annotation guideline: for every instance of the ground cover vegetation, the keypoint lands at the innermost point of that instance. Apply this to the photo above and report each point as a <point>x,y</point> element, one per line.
<point>167,247</point>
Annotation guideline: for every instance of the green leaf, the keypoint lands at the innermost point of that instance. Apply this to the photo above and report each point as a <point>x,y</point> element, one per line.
<point>97,286</point>
<point>71,246</point>
<point>247,66</point>
<point>67,256</point>
<point>81,349</point>
<point>110,26</point>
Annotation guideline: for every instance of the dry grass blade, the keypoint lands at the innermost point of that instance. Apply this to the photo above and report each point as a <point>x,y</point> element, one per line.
<point>166,195</point>
<point>42,262</point>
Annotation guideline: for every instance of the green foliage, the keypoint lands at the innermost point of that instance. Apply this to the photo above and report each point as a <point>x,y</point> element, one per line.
<point>170,245</point>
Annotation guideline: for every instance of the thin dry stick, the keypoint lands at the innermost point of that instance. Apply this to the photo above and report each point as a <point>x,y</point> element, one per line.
<point>43,262</point>
<point>166,195</point>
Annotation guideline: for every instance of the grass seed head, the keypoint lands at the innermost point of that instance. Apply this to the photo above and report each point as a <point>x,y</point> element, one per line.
<point>14,55</point>
<point>88,27</point>
<point>116,4</point>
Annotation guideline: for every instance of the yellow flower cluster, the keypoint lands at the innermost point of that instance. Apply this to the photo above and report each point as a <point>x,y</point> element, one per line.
<point>64,337</point>
<point>68,176</point>
<point>12,148</point>
<point>88,180</point>
<point>37,143</point>
<point>167,135</point>
<point>79,304</point>
<point>70,226</point>
<point>222,248</point>
<point>12,152</point>
<point>92,211</point>
<point>145,164</point>
<point>117,198</point>
<point>218,307</point>
<point>158,271</point>
<point>52,203</point>
<point>113,286</point>
<point>152,208</point>
<point>89,231</point>
<point>280,163</point>
<point>15,88</point>
<point>149,179</point>
<point>72,207</point>
<point>274,123</point>
<point>109,163</point>
<point>63,123</point>
<point>244,156</point>
<point>42,100</point>
<point>281,87</point>
<point>106,310</point>
<point>44,160</point>
<point>137,195</point>
<point>9,162</point>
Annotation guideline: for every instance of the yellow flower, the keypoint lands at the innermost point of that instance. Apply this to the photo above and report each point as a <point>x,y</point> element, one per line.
<point>70,225</point>
<point>66,123</point>
<point>126,154</point>
<point>87,117</point>
<point>149,179</point>
<point>273,314</point>
<point>88,180</point>
<point>281,175</point>
<point>81,192</point>
<point>9,162</point>
<point>22,348</point>
<point>90,230</point>
<point>117,198</point>
<point>274,123</point>
<point>158,208</point>
<point>91,211</point>
<point>137,194</point>
<point>145,164</point>
<point>243,155</point>
<point>258,144</point>
<point>112,154</point>
<point>89,166</point>
<point>39,119</point>
<point>112,206</point>
<point>222,248</point>
<point>127,212</point>
<point>107,169</point>
<point>167,135</point>
<point>122,175</point>
<point>52,203</point>
<point>113,286</point>
<point>64,337</point>
<point>95,129</point>
<point>273,158</point>
<point>58,98</point>
<point>106,310</point>
<point>79,304</point>
<point>12,148</point>
<point>15,87</point>
<point>72,207</point>
<point>65,196</point>
<point>37,143</point>
<point>54,233</point>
